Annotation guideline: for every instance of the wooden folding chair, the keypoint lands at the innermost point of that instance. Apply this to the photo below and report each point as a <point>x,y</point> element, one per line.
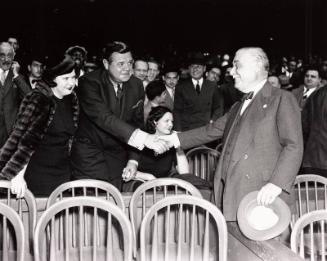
<point>12,237</point>
<point>203,162</point>
<point>309,238</point>
<point>149,193</point>
<point>87,187</point>
<point>77,237</point>
<point>181,239</point>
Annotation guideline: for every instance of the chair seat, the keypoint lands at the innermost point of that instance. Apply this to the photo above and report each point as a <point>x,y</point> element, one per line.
<point>186,251</point>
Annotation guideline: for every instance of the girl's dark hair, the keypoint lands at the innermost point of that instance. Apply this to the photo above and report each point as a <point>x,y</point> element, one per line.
<point>155,114</point>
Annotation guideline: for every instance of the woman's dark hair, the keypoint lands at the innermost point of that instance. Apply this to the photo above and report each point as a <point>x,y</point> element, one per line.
<point>67,65</point>
<point>155,114</point>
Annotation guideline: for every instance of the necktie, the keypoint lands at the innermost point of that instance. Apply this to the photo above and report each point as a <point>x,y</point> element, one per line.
<point>2,77</point>
<point>197,87</point>
<point>305,94</point>
<point>247,96</point>
<point>119,91</point>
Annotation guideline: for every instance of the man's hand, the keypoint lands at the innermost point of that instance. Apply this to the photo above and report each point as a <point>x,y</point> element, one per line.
<point>129,171</point>
<point>268,194</point>
<point>156,144</point>
<point>172,140</point>
<point>18,185</point>
<point>15,68</point>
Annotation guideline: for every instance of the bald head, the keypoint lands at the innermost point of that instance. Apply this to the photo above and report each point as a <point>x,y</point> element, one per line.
<point>258,55</point>
<point>250,67</point>
<point>7,55</point>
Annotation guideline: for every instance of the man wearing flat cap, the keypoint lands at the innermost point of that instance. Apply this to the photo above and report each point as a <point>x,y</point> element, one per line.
<point>111,115</point>
<point>197,101</point>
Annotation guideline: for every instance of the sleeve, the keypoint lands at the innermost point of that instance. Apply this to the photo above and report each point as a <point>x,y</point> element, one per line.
<point>23,87</point>
<point>203,135</point>
<point>96,109</point>
<point>288,120</point>
<point>217,104</point>
<point>178,108</point>
<point>24,139</point>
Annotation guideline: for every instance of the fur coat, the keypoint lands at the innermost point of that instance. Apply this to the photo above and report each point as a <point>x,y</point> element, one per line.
<point>35,115</point>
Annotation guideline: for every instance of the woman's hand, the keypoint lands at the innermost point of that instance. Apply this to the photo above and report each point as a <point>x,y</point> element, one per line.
<point>18,184</point>
<point>129,171</point>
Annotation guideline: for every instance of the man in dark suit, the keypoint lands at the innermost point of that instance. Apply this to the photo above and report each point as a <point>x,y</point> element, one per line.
<point>312,80</point>
<point>197,101</point>
<point>170,78</point>
<point>315,133</point>
<point>111,111</point>
<point>12,90</point>
<point>262,138</point>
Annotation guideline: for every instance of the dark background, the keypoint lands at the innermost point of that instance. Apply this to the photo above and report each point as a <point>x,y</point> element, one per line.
<point>282,27</point>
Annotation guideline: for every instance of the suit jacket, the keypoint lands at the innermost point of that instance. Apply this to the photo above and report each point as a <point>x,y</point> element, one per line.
<point>168,102</point>
<point>11,95</point>
<point>192,110</point>
<point>102,124</point>
<point>298,93</point>
<point>269,147</point>
<point>315,131</point>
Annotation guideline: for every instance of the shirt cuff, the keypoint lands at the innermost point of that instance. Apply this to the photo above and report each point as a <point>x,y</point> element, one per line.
<point>133,161</point>
<point>137,139</point>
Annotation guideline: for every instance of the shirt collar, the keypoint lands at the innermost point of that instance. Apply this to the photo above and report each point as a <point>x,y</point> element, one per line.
<point>196,81</point>
<point>258,87</point>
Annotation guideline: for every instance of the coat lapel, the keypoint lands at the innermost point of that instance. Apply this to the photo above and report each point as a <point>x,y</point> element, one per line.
<point>8,82</point>
<point>251,120</point>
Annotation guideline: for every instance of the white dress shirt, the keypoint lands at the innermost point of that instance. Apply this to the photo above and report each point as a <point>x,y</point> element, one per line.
<point>255,90</point>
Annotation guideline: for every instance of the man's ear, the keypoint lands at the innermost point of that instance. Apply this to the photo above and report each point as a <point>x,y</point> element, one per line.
<point>105,64</point>
<point>29,68</point>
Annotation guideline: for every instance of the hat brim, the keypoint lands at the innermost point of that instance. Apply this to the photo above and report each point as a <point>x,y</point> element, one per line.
<point>278,206</point>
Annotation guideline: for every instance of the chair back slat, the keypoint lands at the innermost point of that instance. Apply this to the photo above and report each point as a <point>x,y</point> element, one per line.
<point>167,233</point>
<point>185,248</point>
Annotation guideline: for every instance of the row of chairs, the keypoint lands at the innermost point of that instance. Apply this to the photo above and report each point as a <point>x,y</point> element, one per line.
<point>89,216</point>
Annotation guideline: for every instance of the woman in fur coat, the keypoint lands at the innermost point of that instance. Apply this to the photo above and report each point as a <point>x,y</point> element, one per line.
<point>37,151</point>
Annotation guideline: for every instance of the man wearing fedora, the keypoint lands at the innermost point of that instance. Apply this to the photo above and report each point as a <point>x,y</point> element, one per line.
<point>195,101</point>
<point>262,138</point>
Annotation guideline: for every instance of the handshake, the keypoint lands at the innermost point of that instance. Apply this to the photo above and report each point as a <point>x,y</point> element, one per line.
<point>163,143</point>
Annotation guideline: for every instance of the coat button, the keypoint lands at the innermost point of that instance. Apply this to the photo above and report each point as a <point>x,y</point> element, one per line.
<point>247,176</point>
<point>246,156</point>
